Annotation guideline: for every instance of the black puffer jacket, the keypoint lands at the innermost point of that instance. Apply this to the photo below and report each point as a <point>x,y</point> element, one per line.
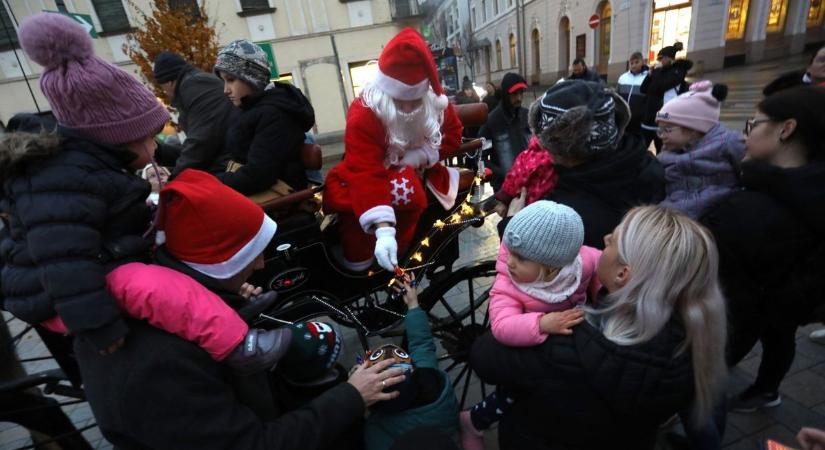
<point>585,392</point>
<point>205,115</point>
<point>267,138</point>
<point>771,240</point>
<point>74,211</point>
<point>603,190</point>
<point>658,82</point>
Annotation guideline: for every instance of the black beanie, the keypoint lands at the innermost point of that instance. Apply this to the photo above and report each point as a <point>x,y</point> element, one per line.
<point>168,66</point>
<point>512,80</point>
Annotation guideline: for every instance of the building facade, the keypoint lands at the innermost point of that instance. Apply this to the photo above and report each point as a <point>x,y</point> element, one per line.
<point>327,48</point>
<point>539,38</point>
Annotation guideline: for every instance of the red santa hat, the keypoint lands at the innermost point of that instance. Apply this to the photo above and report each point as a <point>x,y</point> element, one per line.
<point>406,69</point>
<point>211,227</point>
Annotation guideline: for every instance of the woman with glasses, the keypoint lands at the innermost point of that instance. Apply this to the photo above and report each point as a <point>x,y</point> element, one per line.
<point>700,155</point>
<point>771,238</point>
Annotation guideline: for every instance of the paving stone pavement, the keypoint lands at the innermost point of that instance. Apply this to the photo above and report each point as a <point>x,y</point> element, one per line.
<point>803,390</point>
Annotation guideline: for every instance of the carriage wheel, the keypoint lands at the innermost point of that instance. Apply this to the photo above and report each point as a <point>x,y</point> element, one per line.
<point>457,309</point>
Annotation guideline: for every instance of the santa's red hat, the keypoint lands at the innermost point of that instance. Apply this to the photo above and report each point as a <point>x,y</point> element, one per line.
<point>406,69</point>
<point>211,227</point>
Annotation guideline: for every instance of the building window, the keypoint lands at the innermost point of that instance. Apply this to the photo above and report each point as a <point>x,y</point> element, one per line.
<point>776,16</point>
<point>187,6</point>
<point>498,55</point>
<point>483,11</point>
<point>495,8</point>
<point>737,19</point>
<point>509,3</point>
<point>8,35</point>
<point>473,17</point>
<point>815,13</point>
<point>112,15</point>
<point>249,6</point>
<point>360,73</point>
<point>513,60</point>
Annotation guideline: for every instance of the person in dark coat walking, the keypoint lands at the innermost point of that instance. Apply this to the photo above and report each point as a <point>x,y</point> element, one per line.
<point>491,99</point>
<point>770,238</point>
<point>74,205</point>
<point>602,172</point>
<point>814,75</point>
<point>151,392</point>
<point>204,113</point>
<point>663,83</point>
<point>507,127</point>
<point>651,345</point>
<point>265,140</point>
<point>580,71</point>
<point>629,87</point>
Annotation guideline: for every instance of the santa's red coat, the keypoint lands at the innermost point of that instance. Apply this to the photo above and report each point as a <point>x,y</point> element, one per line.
<point>363,186</point>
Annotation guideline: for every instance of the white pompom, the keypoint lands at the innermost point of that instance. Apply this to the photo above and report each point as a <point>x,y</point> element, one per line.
<point>441,102</point>
<point>160,237</point>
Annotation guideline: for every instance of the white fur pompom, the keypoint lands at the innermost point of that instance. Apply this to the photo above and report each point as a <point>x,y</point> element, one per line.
<point>441,102</point>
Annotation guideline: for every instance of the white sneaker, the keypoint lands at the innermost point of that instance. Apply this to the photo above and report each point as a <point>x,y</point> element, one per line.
<point>818,336</point>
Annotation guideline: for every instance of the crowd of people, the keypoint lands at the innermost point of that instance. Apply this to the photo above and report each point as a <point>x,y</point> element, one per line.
<point>627,283</point>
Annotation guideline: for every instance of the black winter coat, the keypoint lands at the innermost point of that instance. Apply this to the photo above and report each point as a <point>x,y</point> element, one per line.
<point>771,241</point>
<point>74,211</point>
<point>603,190</point>
<point>509,132</point>
<point>585,392</point>
<point>162,392</point>
<point>658,82</point>
<point>267,138</point>
<point>205,115</point>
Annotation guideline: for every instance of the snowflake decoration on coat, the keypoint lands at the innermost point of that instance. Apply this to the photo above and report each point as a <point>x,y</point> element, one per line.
<point>401,191</point>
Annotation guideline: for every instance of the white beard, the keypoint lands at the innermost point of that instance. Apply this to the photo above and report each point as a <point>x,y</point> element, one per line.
<point>404,130</point>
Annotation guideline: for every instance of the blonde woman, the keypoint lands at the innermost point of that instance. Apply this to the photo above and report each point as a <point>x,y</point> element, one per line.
<point>652,345</point>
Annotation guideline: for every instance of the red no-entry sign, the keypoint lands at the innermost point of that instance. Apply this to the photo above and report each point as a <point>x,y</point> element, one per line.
<point>594,21</point>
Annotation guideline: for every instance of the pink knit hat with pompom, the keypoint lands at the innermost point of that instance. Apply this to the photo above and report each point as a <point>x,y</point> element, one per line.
<point>698,109</point>
<point>86,93</point>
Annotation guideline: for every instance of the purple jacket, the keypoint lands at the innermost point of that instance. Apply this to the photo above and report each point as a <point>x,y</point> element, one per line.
<point>698,178</point>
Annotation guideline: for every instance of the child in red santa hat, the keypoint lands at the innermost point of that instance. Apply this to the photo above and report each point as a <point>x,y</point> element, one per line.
<point>398,129</point>
<point>220,234</point>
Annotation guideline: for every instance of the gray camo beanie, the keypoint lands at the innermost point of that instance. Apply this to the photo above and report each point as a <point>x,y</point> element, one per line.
<point>246,61</point>
<point>579,119</point>
<point>546,232</point>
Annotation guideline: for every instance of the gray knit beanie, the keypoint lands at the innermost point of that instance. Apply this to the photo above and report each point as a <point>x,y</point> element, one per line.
<point>246,61</point>
<point>579,119</point>
<point>546,232</point>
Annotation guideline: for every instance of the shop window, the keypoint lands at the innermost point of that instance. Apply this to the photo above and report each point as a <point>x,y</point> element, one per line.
<point>498,55</point>
<point>112,15</point>
<point>815,13</point>
<point>776,16</point>
<point>737,19</point>
<point>8,35</point>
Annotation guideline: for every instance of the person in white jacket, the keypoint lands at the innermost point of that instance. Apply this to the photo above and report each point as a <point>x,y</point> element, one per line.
<point>629,84</point>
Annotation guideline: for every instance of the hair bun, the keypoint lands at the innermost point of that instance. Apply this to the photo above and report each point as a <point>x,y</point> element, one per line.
<point>52,40</point>
<point>678,46</point>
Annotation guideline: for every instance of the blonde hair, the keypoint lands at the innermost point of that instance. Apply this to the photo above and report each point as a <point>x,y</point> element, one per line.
<point>674,265</point>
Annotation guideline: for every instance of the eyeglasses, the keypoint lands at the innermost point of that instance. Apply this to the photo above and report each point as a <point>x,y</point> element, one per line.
<point>752,123</point>
<point>664,130</point>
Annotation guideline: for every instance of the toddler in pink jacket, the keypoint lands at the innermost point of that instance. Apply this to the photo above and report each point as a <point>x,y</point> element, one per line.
<point>221,234</point>
<point>543,273</point>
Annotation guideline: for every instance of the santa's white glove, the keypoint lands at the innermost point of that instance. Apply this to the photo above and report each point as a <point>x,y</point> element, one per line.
<point>423,157</point>
<point>386,249</point>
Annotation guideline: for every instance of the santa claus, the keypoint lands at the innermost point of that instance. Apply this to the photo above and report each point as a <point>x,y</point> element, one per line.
<point>398,129</point>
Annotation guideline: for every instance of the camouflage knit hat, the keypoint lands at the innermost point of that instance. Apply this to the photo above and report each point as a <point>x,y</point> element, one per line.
<point>246,61</point>
<point>313,350</point>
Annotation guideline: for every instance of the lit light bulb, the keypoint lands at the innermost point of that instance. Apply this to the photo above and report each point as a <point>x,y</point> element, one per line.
<point>439,224</point>
<point>425,242</point>
<point>456,218</point>
<point>417,257</point>
<point>477,180</point>
<point>370,273</point>
<point>466,209</point>
<point>392,281</point>
<point>469,197</point>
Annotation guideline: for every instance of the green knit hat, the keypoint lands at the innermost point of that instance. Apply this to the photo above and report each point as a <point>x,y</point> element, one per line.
<point>312,352</point>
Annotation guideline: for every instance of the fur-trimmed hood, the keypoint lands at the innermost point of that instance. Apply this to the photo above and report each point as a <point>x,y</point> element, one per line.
<point>20,149</point>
